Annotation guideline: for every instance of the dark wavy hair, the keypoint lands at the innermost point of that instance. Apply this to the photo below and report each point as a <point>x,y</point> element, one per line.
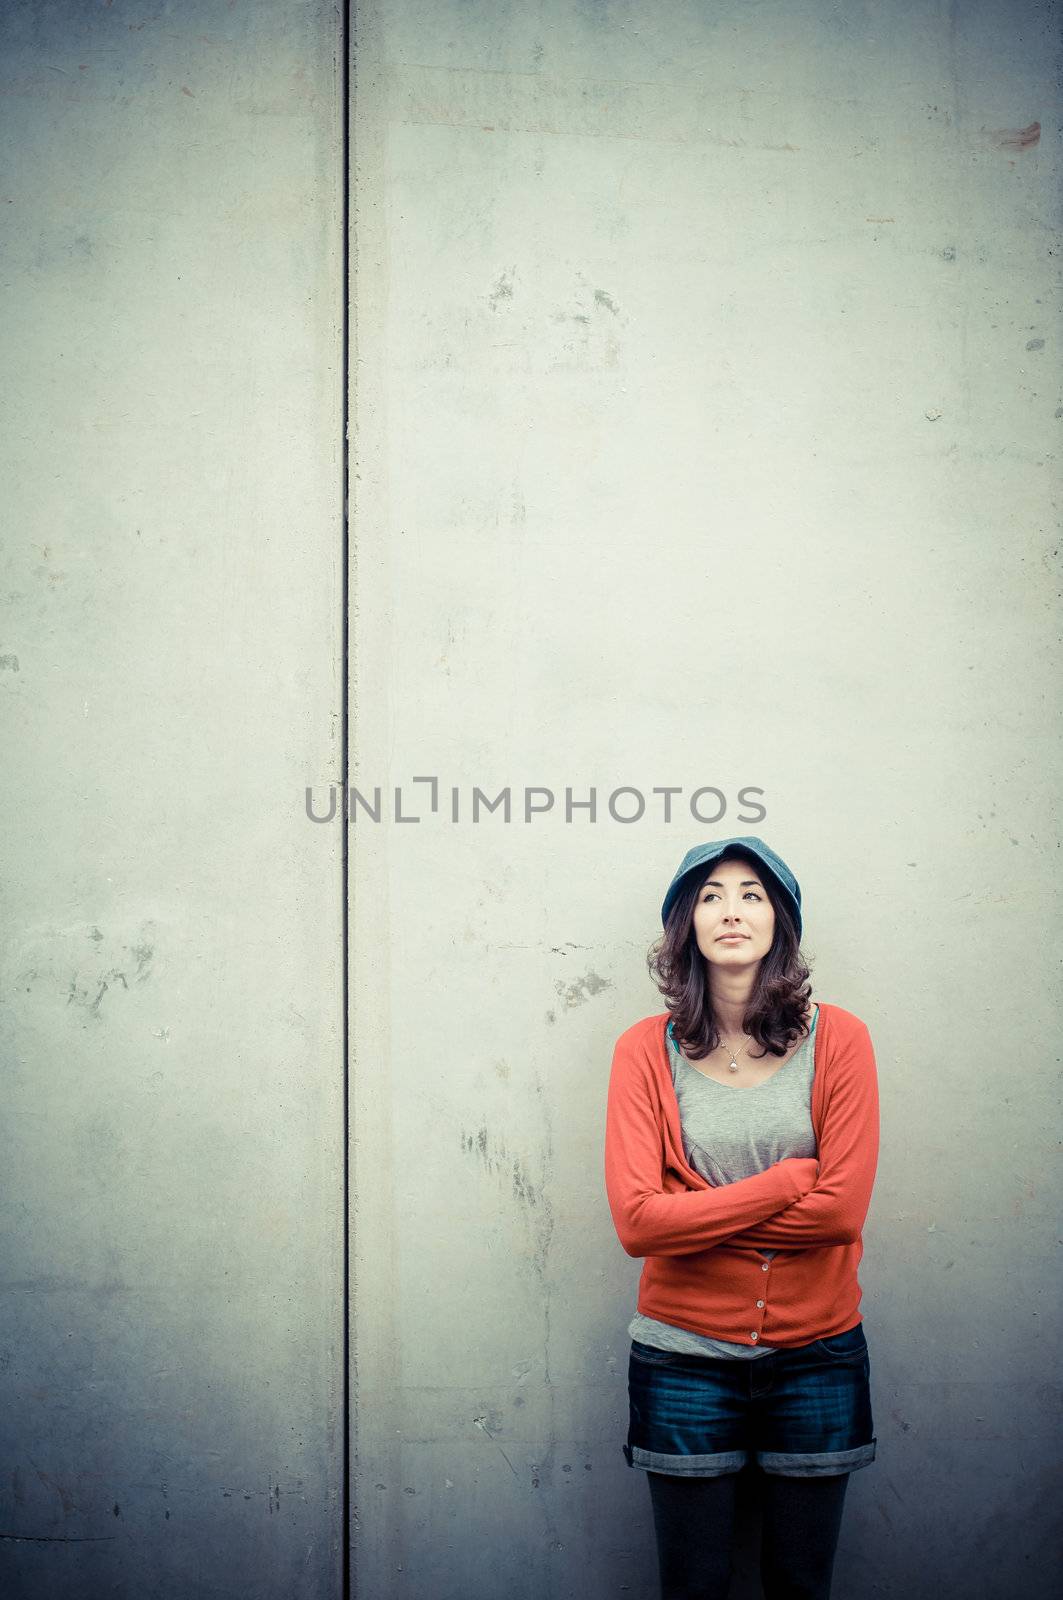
<point>776,1013</point>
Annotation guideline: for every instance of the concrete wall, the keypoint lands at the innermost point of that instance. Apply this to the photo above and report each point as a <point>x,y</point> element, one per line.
<point>704,398</point>
<point>171,1144</point>
<point>705,404</point>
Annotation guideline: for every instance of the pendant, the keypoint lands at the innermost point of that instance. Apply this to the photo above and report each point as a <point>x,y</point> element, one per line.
<point>733,1066</point>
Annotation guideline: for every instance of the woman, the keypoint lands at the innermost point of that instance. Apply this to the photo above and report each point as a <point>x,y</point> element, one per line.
<point>741,1144</point>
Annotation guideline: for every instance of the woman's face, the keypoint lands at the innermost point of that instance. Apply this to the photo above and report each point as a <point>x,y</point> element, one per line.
<point>734,921</point>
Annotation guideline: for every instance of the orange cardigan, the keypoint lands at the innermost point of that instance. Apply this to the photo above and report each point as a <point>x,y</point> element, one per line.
<point>702,1242</point>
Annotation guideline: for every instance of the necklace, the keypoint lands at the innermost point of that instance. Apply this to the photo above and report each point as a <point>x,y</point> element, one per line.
<point>732,1065</point>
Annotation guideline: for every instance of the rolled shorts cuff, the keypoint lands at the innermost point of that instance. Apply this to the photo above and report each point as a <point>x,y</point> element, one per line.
<point>705,1466</point>
<point>823,1464</point>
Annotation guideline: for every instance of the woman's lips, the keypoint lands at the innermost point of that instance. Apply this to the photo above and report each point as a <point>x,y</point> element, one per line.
<point>732,938</point>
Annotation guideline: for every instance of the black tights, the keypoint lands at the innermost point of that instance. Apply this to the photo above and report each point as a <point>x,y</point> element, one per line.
<point>694,1522</point>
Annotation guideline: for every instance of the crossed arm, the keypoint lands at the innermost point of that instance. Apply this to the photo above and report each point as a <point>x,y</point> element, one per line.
<point>835,1209</point>
<point>797,1204</point>
<point>654,1220</point>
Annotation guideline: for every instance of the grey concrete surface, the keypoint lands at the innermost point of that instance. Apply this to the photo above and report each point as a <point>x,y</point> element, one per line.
<point>706,417</point>
<point>171,1142</point>
<point>704,401</point>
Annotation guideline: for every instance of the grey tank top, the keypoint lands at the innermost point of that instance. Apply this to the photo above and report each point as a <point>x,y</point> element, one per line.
<point>730,1134</point>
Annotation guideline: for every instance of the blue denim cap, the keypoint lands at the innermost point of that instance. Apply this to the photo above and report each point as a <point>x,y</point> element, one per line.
<point>702,854</point>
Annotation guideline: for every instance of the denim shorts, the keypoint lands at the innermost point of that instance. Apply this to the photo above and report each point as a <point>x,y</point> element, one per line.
<point>800,1413</point>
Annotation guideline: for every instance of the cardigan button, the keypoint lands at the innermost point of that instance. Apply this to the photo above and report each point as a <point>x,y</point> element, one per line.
<point>760,1303</point>
<point>753,1335</point>
<point>764,1265</point>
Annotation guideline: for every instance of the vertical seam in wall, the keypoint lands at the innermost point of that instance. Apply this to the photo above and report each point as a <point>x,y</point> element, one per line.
<point>345,364</point>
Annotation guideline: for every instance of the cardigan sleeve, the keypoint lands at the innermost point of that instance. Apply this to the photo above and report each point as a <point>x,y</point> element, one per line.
<point>652,1222</point>
<point>836,1208</point>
